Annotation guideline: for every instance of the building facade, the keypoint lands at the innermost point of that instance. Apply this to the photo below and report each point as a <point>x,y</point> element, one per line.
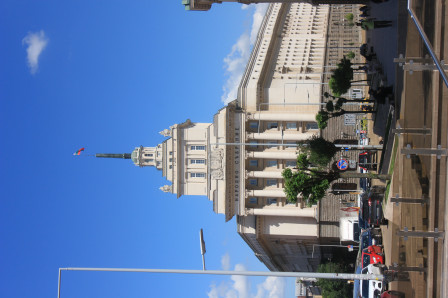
<point>204,5</point>
<point>237,160</point>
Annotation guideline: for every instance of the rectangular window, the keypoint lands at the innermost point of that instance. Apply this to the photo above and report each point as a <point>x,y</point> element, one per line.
<point>171,160</point>
<point>271,182</point>
<point>148,154</point>
<point>271,163</point>
<point>197,161</point>
<point>196,147</point>
<point>171,166</point>
<point>197,175</point>
<point>272,125</point>
<point>253,125</point>
<point>253,200</point>
<point>312,125</point>
<point>253,163</point>
<point>273,143</point>
<point>149,160</point>
<point>271,201</point>
<point>253,144</point>
<point>171,152</point>
<point>291,125</point>
<point>291,163</point>
<point>253,181</point>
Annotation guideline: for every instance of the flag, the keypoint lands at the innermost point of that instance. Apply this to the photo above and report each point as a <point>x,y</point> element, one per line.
<point>79,151</point>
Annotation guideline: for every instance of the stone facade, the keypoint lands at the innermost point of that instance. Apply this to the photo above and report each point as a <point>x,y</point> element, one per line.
<point>237,160</point>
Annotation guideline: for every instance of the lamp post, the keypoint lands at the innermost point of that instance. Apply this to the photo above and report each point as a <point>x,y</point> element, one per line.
<point>346,276</point>
<point>202,243</point>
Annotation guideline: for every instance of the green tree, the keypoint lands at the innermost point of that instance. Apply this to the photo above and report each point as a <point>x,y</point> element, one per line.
<point>319,150</point>
<point>312,182</point>
<point>351,55</point>
<point>334,109</point>
<point>341,79</point>
<point>333,288</point>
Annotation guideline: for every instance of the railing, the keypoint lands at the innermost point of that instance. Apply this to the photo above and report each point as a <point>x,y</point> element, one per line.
<point>427,43</point>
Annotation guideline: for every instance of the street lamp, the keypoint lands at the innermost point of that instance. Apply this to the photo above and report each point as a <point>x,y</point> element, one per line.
<point>202,243</point>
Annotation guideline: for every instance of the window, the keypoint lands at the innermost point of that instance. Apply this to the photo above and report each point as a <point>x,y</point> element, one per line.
<point>312,125</point>
<point>253,181</point>
<point>171,160</point>
<point>290,163</point>
<point>272,125</point>
<point>149,160</point>
<point>253,200</point>
<point>271,201</point>
<point>291,125</point>
<point>273,143</point>
<point>197,175</point>
<point>171,152</point>
<point>253,163</point>
<point>197,161</point>
<point>196,147</point>
<point>171,166</point>
<point>253,144</point>
<point>148,154</point>
<point>271,163</point>
<point>253,125</point>
<point>271,182</point>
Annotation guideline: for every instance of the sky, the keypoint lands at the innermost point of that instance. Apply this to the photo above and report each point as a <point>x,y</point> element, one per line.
<point>108,76</point>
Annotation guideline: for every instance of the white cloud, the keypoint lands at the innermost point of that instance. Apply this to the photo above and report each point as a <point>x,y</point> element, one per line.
<point>36,43</point>
<point>239,286</point>
<point>225,262</point>
<point>236,60</point>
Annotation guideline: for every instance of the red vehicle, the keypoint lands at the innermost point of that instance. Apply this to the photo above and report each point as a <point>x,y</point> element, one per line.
<point>372,255</point>
<point>392,294</point>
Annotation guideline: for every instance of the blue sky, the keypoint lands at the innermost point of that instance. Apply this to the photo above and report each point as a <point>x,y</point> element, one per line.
<point>108,76</point>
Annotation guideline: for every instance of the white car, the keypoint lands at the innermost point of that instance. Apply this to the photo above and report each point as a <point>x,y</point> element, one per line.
<point>372,288</point>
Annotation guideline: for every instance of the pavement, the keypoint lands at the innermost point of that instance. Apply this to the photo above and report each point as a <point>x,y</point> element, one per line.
<point>421,101</point>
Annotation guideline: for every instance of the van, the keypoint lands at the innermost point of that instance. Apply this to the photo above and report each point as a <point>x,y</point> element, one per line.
<point>371,288</point>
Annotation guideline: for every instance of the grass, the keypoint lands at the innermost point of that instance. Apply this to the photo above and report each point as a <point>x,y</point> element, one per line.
<point>391,167</point>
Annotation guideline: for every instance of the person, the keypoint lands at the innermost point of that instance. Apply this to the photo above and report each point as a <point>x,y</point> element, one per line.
<point>369,24</point>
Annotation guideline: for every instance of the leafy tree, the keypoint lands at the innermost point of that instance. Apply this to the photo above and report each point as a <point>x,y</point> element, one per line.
<point>312,182</point>
<point>333,288</point>
<point>319,150</point>
<point>351,55</point>
<point>341,79</point>
<point>333,110</point>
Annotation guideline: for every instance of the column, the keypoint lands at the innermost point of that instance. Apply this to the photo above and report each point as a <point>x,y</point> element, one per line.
<point>284,211</point>
<point>279,154</point>
<point>264,174</point>
<point>282,116</point>
<point>297,136</point>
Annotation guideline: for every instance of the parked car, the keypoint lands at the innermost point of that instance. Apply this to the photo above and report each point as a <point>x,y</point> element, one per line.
<point>371,288</point>
<point>371,208</point>
<point>369,237</point>
<point>372,255</point>
<point>365,161</point>
<point>392,294</point>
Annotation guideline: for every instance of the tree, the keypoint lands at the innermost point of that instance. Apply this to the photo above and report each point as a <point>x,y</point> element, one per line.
<point>351,55</point>
<point>312,182</point>
<point>319,150</point>
<point>333,288</point>
<point>341,79</point>
<point>333,110</point>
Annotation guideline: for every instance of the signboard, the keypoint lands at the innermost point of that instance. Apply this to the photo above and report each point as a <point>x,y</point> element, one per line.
<point>342,164</point>
<point>348,212</point>
<point>349,119</point>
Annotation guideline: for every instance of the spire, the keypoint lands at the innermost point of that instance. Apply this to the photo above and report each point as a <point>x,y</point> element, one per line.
<point>113,155</point>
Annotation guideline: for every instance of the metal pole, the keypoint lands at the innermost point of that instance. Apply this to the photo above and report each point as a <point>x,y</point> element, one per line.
<point>427,43</point>
<point>347,276</point>
<point>359,146</point>
<point>253,144</point>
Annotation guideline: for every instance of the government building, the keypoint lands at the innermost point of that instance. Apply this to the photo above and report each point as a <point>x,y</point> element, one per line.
<point>237,160</point>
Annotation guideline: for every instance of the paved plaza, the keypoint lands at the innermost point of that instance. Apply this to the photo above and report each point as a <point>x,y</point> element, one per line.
<point>420,103</point>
